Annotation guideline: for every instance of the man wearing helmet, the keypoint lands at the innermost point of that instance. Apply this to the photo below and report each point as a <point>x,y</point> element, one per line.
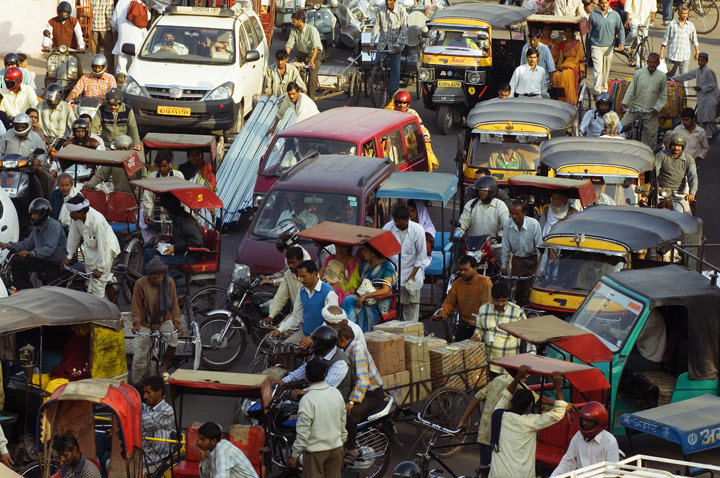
<point>592,443</point>
<point>401,102</point>
<point>115,118</point>
<point>16,97</point>
<point>484,215</point>
<point>21,139</point>
<point>647,91</point>
<point>63,29</point>
<point>81,136</point>
<point>13,60</point>
<point>56,116</point>
<point>592,123</point>
<point>42,251</point>
<point>675,169</point>
<point>96,83</point>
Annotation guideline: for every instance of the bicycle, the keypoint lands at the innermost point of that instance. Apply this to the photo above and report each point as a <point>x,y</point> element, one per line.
<point>637,53</point>
<point>704,14</point>
<point>431,452</point>
<point>513,282</point>
<point>379,82</point>
<point>634,129</point>
<point>157,349</point>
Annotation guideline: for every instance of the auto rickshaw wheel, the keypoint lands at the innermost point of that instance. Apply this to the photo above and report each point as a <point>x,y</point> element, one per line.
<point>445,119</point>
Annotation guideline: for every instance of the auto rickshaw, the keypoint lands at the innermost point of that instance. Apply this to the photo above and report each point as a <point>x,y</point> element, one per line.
<point>585,246</point>
<point>504,135</point>
<point>471,50</point>
<point>620,169</point>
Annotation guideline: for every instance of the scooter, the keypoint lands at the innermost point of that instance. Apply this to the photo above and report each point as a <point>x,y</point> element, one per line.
<point>63,67</point>
<point>20,183</point>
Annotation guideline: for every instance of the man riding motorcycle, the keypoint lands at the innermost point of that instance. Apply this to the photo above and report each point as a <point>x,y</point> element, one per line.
<point>484,215</point>
<point>12,60</point>
<point>16,97</point>
<point>81,135</point>
<point>56,116</point>
<point>115,118</point>
<point>401,102</point>
<point>63,30</point>
<point>21,139</point>
<point>592,123</point>
<point>96,83</point>
<point>675,169</point>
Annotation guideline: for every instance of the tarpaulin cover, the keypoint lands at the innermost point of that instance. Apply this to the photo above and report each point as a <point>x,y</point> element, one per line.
<point>193,195</point>
<point>337,233</point>
<point>128,159</point>
<point>53,306</point>
<point>573,188</point>
<point>419,185</point>
<point>692,423</point>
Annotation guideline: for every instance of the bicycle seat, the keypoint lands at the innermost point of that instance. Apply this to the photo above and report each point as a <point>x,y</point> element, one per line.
<point>384,412</point>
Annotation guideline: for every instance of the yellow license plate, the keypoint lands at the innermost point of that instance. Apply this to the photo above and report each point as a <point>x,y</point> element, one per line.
<point>173,111</point>
<point>449,84</point>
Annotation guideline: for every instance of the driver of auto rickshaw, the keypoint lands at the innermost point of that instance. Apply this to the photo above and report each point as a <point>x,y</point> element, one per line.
<point>508,157</point>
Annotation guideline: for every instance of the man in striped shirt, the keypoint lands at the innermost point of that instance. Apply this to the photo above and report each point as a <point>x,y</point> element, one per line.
<point>158,421</point>
<point>102,39</point>
<point>95,84</point>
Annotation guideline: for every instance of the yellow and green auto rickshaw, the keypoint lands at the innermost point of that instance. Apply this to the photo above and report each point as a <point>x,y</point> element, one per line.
<point>470,51</point>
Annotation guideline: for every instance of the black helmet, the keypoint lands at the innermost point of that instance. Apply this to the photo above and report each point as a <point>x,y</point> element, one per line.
<point>603,98</point>
<point>41,206</point>
<point>64,7</point>
<point>114,96</point>
<point>53,95</point>
<point>323,340</point>
<point>679,139</point>
<point>80,123</point>
<point>11,59</point>
<point>406,469</point>
<point>489,184</point>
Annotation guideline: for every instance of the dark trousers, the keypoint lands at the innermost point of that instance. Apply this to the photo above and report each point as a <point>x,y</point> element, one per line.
<point>373,402</point>
<point>312,82</point>
<point>523,266</point>
<point>667,10</point>
<point>21,269</point>
<point>323,464</point>
<point>464,331</point>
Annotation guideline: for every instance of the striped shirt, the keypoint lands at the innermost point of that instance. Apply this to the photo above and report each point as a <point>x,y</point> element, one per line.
<point>392,27</point>
<point>226,461</point>
<point>678,38</point>
<point>102,12</point>
<point>497,341</point>
<point>93,87</point>
<point>367,376</point>
<point>157,422</point>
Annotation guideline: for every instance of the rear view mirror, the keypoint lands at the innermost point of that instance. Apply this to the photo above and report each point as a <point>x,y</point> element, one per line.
<point>482,36</point>
<point>128,49</point>
<point>252,55</point>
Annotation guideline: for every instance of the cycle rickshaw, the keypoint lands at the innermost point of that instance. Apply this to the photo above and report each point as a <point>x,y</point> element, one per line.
<point>213,150</point>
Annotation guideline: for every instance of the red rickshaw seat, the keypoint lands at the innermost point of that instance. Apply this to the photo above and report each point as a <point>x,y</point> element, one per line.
<point>121,207</point>
<point>249,439</point>
<point>190,466</point>
<point>210,260</point>
<point>97,198</point>
<point>553,441</point>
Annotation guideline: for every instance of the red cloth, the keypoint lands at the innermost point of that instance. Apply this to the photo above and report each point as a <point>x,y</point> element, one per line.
<point>75,364</point>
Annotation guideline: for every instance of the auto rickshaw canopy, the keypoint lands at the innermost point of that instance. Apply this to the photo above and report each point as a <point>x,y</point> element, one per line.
<point>525,184</point>
<point>673,285</point>
<point>596,156</point>
<point>577,23</point>
<point>193,195</point>
<point>515,114</point>
<point>56,306</point>
<point>498,16</point>
<point>337,233</point>
<point>129,160</point>
<point>420,185</point>
<point>621,229</point>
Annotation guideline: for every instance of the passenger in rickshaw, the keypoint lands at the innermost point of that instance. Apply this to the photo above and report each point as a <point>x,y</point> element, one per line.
<point>297,212</point>
<point>558,210</point>
<point>592,123</point>
<point>169,45</point>
<point>75,362</point>
<point>570,54</point>
<point>545,56</point>
<point>100,245</point>
<point>420,215</point>
<point>219,457</point>
<point>377,276</point>
<point>342,271</point>
<point>42,251</point>
<point>163,169</point>
<point>602,197</point>
<point>158,421</point>
<point>116,175</point>
<point>65,189</point>
<point>72,462</point>
<point>547,39</point>
<point>611,126</point>
<point>197,170</point>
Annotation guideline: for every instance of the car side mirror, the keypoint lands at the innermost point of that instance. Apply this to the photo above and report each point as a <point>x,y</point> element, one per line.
<point>128,49</point>
<point>252,55</point>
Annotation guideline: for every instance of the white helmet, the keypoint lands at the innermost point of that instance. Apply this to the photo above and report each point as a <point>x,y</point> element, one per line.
<point>101,61</point>
<point>18,122</point>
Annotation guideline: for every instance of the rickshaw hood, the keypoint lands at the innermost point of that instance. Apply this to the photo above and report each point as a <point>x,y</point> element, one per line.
<point>499,16</point>
<point>128,160</point>
<point>552,114</point>
<point>585,155</point>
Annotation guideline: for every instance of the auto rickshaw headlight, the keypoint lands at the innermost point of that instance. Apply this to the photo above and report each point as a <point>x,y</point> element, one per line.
<point>473,77</point>
<point>426,74</point>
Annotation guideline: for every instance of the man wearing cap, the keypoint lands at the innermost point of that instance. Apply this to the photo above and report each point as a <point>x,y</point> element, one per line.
<point>154,307</point>
<point>335,317</point>
<point>708,94</point>
<point>99,244</point>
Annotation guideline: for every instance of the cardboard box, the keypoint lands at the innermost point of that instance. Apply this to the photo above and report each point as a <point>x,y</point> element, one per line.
<point>420,378</point>
<point>416,350</point>
<point>387,350</point>
<point>398,385</point>
<point>402,327</point>
<point>434,342</point>
<point>445,360</point>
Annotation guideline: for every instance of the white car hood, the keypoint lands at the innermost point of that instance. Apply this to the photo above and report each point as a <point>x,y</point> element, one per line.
<point>184,75</point>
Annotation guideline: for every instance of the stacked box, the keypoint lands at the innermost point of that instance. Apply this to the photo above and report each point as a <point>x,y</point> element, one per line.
<point>402,327</point>
<point>443,361</point>
<point>420,378</point>
<point>416,350</point>
<point>475,361</point>
<point>434,342</point>
<point>398,385</point>
<point>387,350</point>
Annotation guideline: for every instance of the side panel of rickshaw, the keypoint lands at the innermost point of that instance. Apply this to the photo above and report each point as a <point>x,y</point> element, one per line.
<point>107,353</point>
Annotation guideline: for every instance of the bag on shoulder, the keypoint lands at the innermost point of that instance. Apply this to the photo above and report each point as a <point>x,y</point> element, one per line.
<point>137,14</point>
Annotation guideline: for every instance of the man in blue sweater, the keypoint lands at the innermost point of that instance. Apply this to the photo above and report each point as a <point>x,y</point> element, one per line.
<point>606,31</point>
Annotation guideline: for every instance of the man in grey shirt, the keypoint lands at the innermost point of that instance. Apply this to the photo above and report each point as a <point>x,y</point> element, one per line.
<point>310,50</point>
<point>675,169</point>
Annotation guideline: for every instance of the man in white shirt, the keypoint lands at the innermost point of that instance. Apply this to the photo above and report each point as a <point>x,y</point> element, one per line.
<point>303,106</point>
<point>529,79</point>
<point>697,141</point>
<point>650,346</point>
<point>169,45</point>
<point>411,237</point>
<point>484,215</point>
<point>16,97</point>
<point>592,443</point>
<point>639,12</point>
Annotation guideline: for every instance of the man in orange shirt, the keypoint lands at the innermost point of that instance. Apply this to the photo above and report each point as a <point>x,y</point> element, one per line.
<point>466,295</point>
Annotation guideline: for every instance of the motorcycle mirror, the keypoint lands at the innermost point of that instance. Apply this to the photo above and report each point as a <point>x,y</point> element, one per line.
<point>128,49</point>
<point>46,33</point>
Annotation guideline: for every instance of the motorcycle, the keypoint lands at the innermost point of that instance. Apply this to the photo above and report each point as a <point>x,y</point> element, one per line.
<point>19,182</point>
<point>280,418</point>
<point>63,67</point>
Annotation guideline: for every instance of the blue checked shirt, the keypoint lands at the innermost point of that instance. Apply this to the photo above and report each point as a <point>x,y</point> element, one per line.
<point>157,422</point>
<point>367,376</point>
<point>678,38</point>
<point>226,461</point>
<point>336,372</point>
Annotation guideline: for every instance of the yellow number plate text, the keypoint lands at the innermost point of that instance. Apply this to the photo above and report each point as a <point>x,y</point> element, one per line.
<point>173,111</point>
<point>449,84</point>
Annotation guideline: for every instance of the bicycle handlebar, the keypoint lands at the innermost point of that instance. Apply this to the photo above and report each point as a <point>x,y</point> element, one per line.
<point>84,275</point>
<point>155,334</point>
<point>637,111</point>
<point>419,419</point>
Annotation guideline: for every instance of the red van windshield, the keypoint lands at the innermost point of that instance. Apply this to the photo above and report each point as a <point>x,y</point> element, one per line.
<point>287,151</point>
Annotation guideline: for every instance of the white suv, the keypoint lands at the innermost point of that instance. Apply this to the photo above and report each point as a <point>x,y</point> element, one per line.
<point>199,69</point>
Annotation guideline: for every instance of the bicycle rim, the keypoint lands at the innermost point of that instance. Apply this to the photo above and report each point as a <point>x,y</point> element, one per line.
<point>373,446</point>
<point>206,299</point>
<point>704,14</point>
<point>445,407</point>
<point>378,88</point>
<point>220,355</point>
<point>642,54</point>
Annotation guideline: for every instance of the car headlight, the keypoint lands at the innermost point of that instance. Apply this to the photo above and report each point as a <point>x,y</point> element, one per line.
<point>241,272</point>
<point>133,88</point>
<point>222,92</point>
<point>426,74</point>
<point>475,77</point>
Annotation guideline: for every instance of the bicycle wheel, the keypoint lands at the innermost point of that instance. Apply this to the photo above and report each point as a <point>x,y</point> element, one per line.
<point>354,87</point>
<point>704,14</point>
<point>132,257</point>
<point>206,299</point>
<point>220,353</point>
<point>34,469</point>
<point>445,407</point>
<point>378,87</point>
<point>584,100</point>
<point>373,453</point>
<point>641,54</point>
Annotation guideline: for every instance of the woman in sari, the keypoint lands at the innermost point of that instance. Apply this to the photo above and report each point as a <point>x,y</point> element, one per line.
<point>362,307</point>
<point>570,53</point>
<point>341,271</point>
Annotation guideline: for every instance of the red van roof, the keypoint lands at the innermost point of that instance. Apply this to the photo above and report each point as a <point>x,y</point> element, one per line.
<point>348,123</point>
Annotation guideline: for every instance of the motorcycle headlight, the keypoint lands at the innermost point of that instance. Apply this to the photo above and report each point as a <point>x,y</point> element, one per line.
<point>222,92</point>
<point>426,74</point>
<point>475,77</point>
<point>133,88</point>
<point>241,272</point>
<point>52,63</point>
<point>72,67</point>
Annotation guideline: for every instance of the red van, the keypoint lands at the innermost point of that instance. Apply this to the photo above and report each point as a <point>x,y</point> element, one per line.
<point>349,130</point>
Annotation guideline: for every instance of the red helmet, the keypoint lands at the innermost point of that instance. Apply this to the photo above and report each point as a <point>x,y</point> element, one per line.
<point>13,78</point>
<point>596,413</point>
<point>402,96</point>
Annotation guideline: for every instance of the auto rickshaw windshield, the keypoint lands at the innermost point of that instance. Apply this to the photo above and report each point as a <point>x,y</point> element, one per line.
<point>286,151</point>
<point>620,190</point>
<point>504,151</point>
<point>473,42</point>
<point>609,314</point>
<point>564,269</point>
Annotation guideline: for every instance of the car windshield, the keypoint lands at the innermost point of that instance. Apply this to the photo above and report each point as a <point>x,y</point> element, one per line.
<point>287,151</point>
<point>564,269</point>
<point>495,151</point>
<point>205,46</point>
<point>305,208</point>
<point>609,314</point>
<point>473,42</point>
